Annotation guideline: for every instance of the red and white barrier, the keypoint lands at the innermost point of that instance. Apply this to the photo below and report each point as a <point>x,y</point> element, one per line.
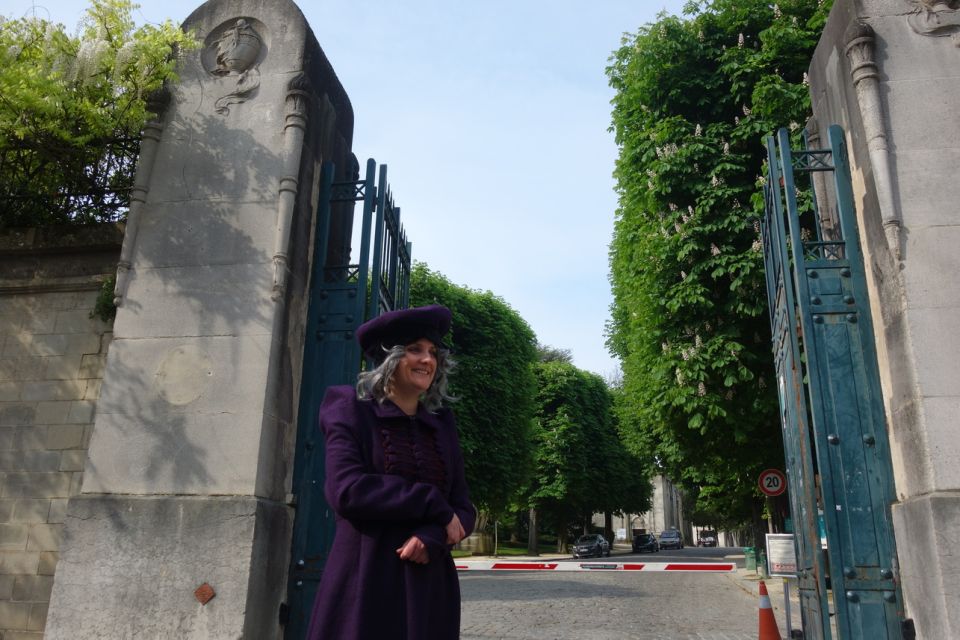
<point>491,565</point>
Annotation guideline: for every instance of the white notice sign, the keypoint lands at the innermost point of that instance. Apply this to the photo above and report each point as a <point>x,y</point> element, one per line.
<point>781,555</point>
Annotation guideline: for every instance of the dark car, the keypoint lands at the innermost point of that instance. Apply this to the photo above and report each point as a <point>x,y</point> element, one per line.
<point>707,539</point>
<point>591,545</point>
<point>671,539</point>
<point>645,542</point>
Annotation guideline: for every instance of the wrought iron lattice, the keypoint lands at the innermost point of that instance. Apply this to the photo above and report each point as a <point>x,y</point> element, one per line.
<point>813,160</point>
<point>353,191</point>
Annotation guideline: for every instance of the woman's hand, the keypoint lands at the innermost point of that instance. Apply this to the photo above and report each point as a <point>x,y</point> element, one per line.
<point>455,530</point>
<point>414,550</point>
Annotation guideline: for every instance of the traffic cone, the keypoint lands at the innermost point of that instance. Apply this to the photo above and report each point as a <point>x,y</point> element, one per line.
<point>768,624</point>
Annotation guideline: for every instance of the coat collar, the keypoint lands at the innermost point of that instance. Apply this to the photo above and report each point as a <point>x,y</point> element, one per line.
<point>387,409</point>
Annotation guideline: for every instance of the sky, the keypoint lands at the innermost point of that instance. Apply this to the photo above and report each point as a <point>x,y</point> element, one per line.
<point>492,118</point>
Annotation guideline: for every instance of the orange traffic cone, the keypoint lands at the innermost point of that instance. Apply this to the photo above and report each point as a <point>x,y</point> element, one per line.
<point>768,624</point>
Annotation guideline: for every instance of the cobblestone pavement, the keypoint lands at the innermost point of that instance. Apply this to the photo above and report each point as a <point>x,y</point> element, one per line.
<point>606,605</point>
<point>616,605</point>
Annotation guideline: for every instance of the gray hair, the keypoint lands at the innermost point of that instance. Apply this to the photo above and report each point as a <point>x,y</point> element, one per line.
<point>375,383</point>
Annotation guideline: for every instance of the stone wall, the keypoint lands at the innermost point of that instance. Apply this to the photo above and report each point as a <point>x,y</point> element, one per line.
<point>51,362</point>
<point>887,72</point>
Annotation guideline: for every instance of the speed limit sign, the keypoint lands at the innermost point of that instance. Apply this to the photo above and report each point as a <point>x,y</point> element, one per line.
<point>772,482</point>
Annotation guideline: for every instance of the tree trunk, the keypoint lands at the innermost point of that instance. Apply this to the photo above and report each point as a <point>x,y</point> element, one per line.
<point>561,537</point>
<point>608,527</point>
<point>533,548</point>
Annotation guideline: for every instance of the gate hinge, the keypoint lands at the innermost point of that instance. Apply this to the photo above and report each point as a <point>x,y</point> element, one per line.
<point>284,615</point>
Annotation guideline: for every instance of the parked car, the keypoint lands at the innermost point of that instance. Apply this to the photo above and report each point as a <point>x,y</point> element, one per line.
<point>671,539</point>
<point>645,542</point>
<point>591,545</point>
<point>707,539</point>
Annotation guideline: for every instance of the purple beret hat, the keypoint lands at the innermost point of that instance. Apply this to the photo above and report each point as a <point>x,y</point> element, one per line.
<point>402,327</point>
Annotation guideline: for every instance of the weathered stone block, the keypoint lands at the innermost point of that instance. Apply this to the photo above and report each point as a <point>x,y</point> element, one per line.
<point>81,411</point>
<point>6,438</point>
<point>47,563</point>
<point>174,545</point>
<point>14,615</point>
<point>6,588</point>
<point>45,537</point>
<point>64,436</point>
<point>23,635</point>
<point>937,345</point>
<point>37,485</point>
<point>30,460</point>
<point>65,367</point>
<point>58,510</point>
<point>199,233</point>
<point>38,616</point>
<point>92,392</point>
<point>16,414</point>
<point>73,460</point>
<point>13,537</point>
<point>30,438</point>
<point>19,563</point>
<point>22,368</point>
<point>213,300</point>
<point>30,510</point>
<point>92,364</point>
<point>928,566</point>
<point>10,391</point>
<point>83,343</point>
<point>32,588</point>
<point>57,390</point>
<point>54,412</point>
<point>78,321</point>
<point>6,509</point>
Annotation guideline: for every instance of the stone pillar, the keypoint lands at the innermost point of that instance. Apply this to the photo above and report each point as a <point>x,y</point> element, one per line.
<point>888,71</point>
<point>182,527</point>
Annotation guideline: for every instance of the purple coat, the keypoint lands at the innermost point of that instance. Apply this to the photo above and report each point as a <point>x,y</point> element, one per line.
<point>389,476</point>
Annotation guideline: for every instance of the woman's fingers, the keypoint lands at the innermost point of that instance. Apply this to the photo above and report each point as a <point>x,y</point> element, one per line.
<point>414,550</point>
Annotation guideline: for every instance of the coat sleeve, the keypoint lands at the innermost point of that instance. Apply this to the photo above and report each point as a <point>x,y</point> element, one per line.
<point>459,493</point>
<point>357,494</point>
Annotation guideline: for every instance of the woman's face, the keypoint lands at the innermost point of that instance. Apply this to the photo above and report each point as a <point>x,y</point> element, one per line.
<point>415,371</point>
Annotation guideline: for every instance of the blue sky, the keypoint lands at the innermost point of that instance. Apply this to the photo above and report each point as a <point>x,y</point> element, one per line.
<point>492,118</point>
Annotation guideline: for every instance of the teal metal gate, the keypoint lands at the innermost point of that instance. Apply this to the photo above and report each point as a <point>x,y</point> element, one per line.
<point>831,405</point>
<point>342,296</point>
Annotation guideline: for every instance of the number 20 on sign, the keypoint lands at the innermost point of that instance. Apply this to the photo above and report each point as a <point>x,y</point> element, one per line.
<point>772,482</point>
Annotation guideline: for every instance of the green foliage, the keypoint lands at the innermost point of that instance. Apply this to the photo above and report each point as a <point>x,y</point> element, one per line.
<point>104,308</point>
<point>694,96</point>
<point>71,112</point>
<point>580,464</point>
<point>495,350</point>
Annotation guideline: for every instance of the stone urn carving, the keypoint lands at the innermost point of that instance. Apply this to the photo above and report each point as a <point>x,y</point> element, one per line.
<point>235,51</point>
<point>237,48</point>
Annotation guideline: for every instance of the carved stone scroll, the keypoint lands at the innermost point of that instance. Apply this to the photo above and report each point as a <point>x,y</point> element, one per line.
<point>936,18</point>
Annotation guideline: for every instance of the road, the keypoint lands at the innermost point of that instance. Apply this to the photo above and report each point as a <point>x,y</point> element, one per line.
<point>609,605</point>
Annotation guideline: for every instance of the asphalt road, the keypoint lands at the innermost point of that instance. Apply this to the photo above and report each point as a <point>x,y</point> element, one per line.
<point>609,605</point>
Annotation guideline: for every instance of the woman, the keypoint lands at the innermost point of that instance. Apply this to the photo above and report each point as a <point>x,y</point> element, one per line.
<point>394,477</point>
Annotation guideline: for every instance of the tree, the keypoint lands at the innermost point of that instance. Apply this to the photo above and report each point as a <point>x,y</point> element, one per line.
<point>580,465</point>
<point>495,350</point>
<point>71,112</point>
<point>689,323</point>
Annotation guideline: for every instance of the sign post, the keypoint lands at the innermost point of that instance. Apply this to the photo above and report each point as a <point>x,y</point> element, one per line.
<point>782,558</point>
<point>772,482</point>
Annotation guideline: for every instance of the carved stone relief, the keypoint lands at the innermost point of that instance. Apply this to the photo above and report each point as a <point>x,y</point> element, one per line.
<point>936,18</point>
<point>234,51</point>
